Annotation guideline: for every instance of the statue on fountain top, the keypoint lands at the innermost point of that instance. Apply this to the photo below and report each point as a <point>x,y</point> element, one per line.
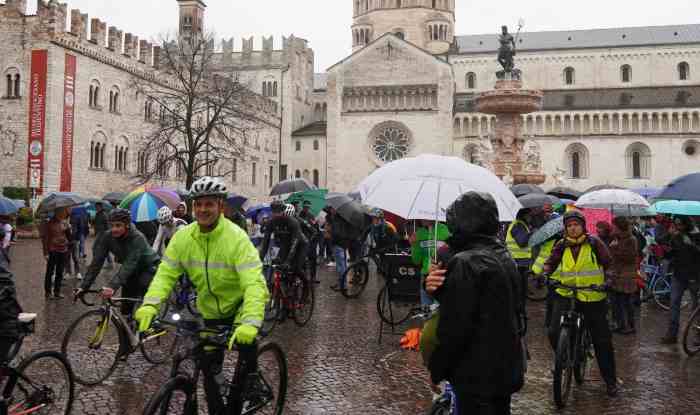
<point>506,55</point>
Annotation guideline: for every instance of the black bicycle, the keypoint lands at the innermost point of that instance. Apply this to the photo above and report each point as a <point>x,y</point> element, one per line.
<point>357,273</point>
<point>290,296</point>
<point>574,348</point>
<point>41,384</point>
<point>691,334</point>
<point>98,340</point>
<point>263,391</point>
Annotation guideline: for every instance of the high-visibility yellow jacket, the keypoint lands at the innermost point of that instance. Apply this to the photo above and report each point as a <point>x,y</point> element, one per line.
<point>225,268</point>
<point>583,272</point>
<point>545,251</point>
<point>516,251</point>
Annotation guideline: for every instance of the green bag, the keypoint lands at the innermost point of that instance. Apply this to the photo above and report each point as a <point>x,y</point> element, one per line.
<point>428,337</point>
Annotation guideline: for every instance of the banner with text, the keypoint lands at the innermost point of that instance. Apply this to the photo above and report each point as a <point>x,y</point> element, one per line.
<point>68,117</point>
<point>37,119</point>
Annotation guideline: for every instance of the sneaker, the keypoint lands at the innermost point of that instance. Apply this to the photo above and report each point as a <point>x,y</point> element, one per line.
<point>331,264</point>
<point>47,295</point>
<point>79,276</point>
<point>612,389</point>
<point>58,296</point>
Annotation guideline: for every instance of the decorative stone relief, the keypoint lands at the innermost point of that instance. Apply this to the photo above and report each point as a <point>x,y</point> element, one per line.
<point>533,159</point>
<point>8,141</point>
<point>559,176</point>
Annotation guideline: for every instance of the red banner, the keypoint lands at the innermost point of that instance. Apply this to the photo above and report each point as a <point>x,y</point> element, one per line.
<point>37,120</point>
<point>68,116</point>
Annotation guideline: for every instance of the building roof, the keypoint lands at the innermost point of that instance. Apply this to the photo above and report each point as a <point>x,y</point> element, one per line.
<point>599,99</point>
<point>317,128</point>
<point>320,80</point>
<point>582,39</point>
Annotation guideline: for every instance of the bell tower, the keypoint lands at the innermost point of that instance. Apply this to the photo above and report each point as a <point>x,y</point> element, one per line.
<point>428,24</point>
<point>191,17</point>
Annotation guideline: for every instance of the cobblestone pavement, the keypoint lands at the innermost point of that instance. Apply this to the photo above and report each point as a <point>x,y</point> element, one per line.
<point>336,365</point>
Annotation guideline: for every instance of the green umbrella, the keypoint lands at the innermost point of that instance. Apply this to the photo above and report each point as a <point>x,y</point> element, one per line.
<point>317,197</point>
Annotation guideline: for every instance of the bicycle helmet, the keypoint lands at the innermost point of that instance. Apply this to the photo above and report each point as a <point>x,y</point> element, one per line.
<point>575,215</point>
<point>289,210</point>
<point>165,215</point>
<point>278,206</point>
<point>208,186</point>
<point>377,213</point>
<point>120,215</point>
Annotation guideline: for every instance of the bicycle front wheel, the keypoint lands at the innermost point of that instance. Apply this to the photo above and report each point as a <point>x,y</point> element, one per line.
<point>92,347</point>
<point>562,369</point>
<point>273,310</point>
<point>270,396</point>
<point>175,397</point>
<point>157,348</point>
<point>691,334</point>
<point>47,386</point>
<point>355,277</point>
<point>304,298</point>
<point>583,357</point>
<point>662,292</point>
<point>392,313</point>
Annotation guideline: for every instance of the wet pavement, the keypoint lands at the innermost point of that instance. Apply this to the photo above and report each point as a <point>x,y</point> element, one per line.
<point>336,365</point>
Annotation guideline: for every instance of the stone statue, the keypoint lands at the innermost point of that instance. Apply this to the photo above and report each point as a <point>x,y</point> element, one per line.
<point>506,51</point>
<point>559,176</point>
<point>533,161</point>
<point>508,177</point>
<point>8,142</point>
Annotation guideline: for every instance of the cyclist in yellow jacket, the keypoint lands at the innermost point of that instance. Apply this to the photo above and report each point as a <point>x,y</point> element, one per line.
<point>581,260</point>
<point>224,266</point>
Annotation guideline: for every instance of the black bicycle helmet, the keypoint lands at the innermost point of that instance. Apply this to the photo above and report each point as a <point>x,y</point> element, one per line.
<point>120,215</point>
<point>575,215</point>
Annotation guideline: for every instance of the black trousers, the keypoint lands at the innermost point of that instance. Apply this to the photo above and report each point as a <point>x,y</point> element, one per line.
<point>55,264</point>
<point>479,405</point>
<point>212,369</point>
<point>623,310</point>
<point>313,258</point>
<point>596,319</point>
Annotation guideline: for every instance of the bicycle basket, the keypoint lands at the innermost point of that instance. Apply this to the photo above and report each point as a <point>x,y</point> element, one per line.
<point>403,281</point>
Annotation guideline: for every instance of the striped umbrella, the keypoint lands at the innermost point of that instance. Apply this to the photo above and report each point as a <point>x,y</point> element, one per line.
<point>145,201</point>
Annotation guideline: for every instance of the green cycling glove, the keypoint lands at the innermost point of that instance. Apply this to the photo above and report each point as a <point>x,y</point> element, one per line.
<point>145,315</point>
<point>244,334</point>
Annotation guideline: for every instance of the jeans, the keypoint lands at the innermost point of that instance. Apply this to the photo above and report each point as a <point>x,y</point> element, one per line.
<point>82,245</point>
<point>678,287</point>
<point>623,310</point>
<point>596,319</point>
<point>340,264</point>
<point>55,264</point>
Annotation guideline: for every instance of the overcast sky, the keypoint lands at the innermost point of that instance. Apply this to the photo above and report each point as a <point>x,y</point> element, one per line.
<point>326,23</point>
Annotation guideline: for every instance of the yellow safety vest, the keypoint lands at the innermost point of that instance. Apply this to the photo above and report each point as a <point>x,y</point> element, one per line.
<point>583,272</point>
<point>538,265</point>
<point>516,251</point>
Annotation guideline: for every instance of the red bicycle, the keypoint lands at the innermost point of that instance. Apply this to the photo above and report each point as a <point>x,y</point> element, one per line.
<point>291,296</point>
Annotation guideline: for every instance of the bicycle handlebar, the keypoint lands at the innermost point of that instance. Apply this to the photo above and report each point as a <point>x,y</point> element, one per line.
<point>217,336</point>
<point>111,301</point>
<point>556,284</point>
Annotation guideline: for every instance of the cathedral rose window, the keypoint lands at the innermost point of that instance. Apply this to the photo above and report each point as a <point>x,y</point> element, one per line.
<point>389,142</point>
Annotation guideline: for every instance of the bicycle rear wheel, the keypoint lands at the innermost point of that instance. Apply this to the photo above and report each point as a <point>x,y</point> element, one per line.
<point>691,334</point>
<point>47,386</point>
<point>536,289</point>
<point>175,397</point>
<point>355,277</point>
<point>562,369</point>
<point>303,298</point>
<point>583,354</point>
<point>92,345</point>
<point>270,393</point>
<point>392,313</point>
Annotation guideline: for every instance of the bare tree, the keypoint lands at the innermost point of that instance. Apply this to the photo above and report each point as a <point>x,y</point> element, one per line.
<point>204,115</point>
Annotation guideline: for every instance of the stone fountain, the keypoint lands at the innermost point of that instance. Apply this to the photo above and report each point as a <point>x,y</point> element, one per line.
<point>508,101</point>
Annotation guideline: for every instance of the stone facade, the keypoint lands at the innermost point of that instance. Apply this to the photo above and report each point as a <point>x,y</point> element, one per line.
<point>107,63</point>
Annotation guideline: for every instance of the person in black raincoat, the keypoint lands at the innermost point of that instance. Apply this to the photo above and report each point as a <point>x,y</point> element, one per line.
<point>479,332</point>
<point>9,307</point>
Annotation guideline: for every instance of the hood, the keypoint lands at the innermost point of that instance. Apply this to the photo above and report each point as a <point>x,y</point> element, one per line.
<point>473,213</point>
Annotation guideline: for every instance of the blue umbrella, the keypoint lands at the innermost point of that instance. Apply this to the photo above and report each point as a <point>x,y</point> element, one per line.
<point>236,201</point>
<point>255,211</point>
<point>682,188</point>
<point>7,206</point>
<point>547,231</point>
<point>678,207</point>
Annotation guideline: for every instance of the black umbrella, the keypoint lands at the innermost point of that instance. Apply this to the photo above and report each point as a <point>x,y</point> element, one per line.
<point>603,187</point>
<point>682,188</point>
<point>336,200</point>
<point>58,200</point>
<point>536,200</point>
<point>350,210</point>
<point>116,197</point>
<point>525,189</point>
<point>565,193</point>
<point>291,186</point>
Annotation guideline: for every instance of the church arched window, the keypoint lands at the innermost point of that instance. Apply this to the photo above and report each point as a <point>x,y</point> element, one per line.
<point>471,80</point>
<point>577,160</point>
<point>626,73</point>
<point>569,76</point>
<point>638,161</point>
<point>683,71</point>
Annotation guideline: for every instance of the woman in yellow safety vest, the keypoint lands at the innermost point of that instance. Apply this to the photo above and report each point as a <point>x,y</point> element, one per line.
<point>581,260</point>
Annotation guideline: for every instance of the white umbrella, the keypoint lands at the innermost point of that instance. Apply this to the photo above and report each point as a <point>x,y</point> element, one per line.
<point>423,187</point>
<point>612,199</point>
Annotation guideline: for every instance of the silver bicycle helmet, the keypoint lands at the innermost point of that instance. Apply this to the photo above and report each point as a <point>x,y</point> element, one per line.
<point>165,215</point>
<point>289,210</point>
<point>208,186</point>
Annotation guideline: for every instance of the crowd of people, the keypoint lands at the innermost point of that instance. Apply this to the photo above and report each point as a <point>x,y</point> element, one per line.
<point>476,268</point>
